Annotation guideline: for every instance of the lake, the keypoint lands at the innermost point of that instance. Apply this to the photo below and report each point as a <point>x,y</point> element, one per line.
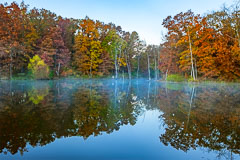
<point>109,119</point>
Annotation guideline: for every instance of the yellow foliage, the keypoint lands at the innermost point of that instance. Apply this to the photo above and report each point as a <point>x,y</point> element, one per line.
<point>38,68</point>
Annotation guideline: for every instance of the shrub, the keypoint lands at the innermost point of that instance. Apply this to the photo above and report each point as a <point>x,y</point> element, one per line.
<point>175,78</point>
<point>37,68</point>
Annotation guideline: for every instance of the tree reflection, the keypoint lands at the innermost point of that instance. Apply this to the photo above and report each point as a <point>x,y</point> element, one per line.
<point>210,120</point>
<point>92,113</point>
<point>36,113</point>
<point>98,109</point>
<point>36,95</point>
<point>25,122</point>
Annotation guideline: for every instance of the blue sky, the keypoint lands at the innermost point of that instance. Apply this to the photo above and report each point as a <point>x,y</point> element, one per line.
<point>143,16</point>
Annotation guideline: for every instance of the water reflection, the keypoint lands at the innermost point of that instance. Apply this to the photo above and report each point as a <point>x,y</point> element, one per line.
<point>203,116</point>
<point>39,112</point>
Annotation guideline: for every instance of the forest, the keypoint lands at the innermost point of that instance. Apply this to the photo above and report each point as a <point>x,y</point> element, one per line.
<point>38,44</point>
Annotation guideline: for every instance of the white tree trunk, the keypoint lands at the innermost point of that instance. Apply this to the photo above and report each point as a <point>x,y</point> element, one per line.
<point>196,73</point>
<point>190,46</point>
<point>129,71</point>
<point>166,75</point>
<point>155,65</point>
<point>149,72</point>
<point>10,69</point>
<point>128,67</point>
<point>116,66</point>
<point>58,70</point>
<point>138,67</point>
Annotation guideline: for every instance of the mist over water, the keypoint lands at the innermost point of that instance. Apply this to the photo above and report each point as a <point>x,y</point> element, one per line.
<point>118,119</point>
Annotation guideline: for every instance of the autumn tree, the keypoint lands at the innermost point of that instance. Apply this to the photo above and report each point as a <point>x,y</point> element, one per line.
<point>11,37</point>
<point>196,46</point>
<point>168,63</point>
<point>88,47</point>
<point>226,44</point>
<point>42,20</point>
<point>206,46</point>
<point>114,45</point>
<point>68,29</point>
<point>180,28</point>
<point>53,50</point>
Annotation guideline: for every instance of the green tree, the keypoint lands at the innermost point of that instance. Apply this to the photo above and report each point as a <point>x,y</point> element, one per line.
<point>114,45</point>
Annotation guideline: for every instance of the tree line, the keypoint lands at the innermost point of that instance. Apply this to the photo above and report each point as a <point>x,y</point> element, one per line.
<point>42,45</point>
<point>205,47</point>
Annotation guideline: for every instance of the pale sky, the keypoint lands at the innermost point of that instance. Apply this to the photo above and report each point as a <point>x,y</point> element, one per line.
<point>143,16</point>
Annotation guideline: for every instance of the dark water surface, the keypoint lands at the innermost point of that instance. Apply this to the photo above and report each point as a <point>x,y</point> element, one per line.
<point>108,119</point>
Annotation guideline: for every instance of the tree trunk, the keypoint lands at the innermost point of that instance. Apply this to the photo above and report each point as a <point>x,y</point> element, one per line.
<point>129,71</point>
<point>116,67</point>
<point>138,67</point>
<point>190,103</point>
<point>155,65</point>
<point>118,60</point>
<point>128,67</point>
<point>166,75</point>
<point>10,69</point>
<point>149,72</point>
<point>190,46</point>
<point>148,96</point>
<point>91,67</point>
<point>196,73</point>
<point>58,70</point>
<point>115,94</point>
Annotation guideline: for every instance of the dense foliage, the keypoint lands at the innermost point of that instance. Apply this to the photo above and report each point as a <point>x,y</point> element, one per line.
<point>195,46</point>
<point>38,69</point>
<point>69,47</point>
<point>203,46</point>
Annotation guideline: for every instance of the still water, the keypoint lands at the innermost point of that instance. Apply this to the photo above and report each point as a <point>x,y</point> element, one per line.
<point>108,119</point>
